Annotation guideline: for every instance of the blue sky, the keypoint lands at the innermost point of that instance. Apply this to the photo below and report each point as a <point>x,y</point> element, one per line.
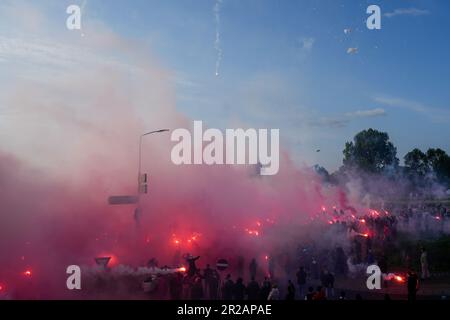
<point>285,65</point>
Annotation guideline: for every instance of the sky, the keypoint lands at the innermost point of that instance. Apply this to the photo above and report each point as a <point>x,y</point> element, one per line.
<point>264,64</point>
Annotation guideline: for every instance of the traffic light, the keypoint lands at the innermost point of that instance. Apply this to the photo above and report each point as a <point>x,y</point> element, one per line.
<point>143,183</point>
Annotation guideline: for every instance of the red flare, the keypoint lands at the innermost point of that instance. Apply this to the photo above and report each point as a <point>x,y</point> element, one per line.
<point>365,235</point>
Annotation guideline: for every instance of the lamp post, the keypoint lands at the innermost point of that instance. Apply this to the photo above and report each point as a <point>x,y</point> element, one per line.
<point>140,153</point>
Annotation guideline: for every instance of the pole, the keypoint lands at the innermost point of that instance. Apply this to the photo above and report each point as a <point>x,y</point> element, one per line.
<point>138,209</point>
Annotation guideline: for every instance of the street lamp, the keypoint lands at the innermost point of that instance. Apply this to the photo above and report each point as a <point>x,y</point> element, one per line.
<point>140,154</point>
<point>137,212</point>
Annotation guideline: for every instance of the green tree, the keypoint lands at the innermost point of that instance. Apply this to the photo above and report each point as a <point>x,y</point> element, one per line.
<point>416,163</point>
<point>370,151</point>
<point>439,162</point>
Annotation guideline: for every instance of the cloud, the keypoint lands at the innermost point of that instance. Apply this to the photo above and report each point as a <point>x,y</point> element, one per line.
<point>407,12</point>
<point>344,120</point>
<point>435,114</point>
<point>307,43</point>
<point>44,58</point>
<point>23,14</point>
<point>367,113</point>
<point>334,122</point>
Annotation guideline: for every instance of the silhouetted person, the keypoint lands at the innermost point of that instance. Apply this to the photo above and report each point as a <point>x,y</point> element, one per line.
<point>382,263</point>
<point>330,285</point>
<point>176,286</point>
<point>213,288</point>
<point>192,270</point>
<point>413,285</point>
<point>253,290</point>
<point>240,266</point>
<point>227,288</point>
<point>197,289</point>
<point>271,267</point>
<point>424,264</point>
<point>274,293</point>
<point>290,291</point>
<point>207,275</point>
<point>265,289</point>
<point>340,262</point>
<point>301,281</point>
<point>253,268</point>
<point>208,272</point>
<point>342,296</point>
<point>239,290</point>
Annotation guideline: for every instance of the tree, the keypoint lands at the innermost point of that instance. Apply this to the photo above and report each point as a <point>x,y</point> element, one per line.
<point>439,162</point>
<point>370,151</point>
<point>416,163</point>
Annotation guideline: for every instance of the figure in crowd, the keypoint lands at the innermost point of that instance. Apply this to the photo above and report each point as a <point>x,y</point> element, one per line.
<point>252,268</point>
<point>301,281</point>
<point>240,266</point>
<point>239,290</point>
<point>274,293</point>
<point>424,264</point>
<point>227,288</point>
<point>290,291</point>
<point>208,276</point>
<point>253,290</point>
<point>192,269</point>
<point>197,289</point>
<point>176,286</point>
<point>213,288</point>
<point>341,267</point>
<point>327,280</point>
<point>412,285</point>
<point>265,289</point>
<point>271,265</point>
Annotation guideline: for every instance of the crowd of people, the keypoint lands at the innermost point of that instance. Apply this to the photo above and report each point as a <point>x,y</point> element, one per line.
<point>310,273</point>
